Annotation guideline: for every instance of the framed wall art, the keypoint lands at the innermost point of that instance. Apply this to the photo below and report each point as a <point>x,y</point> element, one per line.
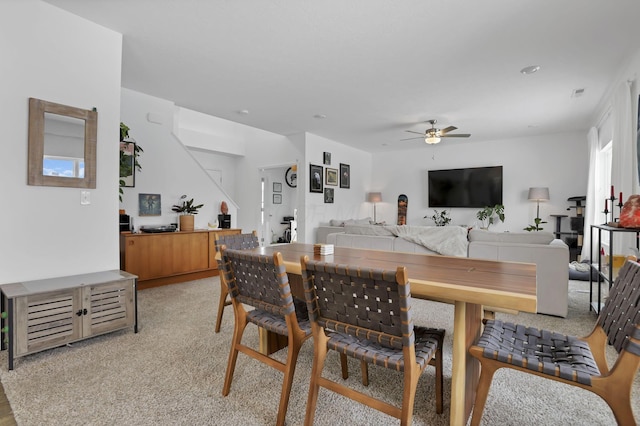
<point>345,176</point>
<point>277,187</point>
<point>326,158</point>
<point>315,178</point>
<point>277,198</point>
<point>331,177</point>
<point>328,195</point>
<point>149,204</point>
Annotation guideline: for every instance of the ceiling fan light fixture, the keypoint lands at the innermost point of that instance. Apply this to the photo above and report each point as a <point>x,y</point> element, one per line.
<point>432,139</point>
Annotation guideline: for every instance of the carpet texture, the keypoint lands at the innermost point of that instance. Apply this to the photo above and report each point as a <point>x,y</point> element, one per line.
<point>172,371</point>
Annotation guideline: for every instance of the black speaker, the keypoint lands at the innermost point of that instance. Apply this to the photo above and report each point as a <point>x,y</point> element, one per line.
<point>224,220</point>
<point>125,223</point>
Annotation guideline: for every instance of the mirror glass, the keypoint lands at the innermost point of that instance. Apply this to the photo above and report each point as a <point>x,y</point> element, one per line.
<point>62,145</point>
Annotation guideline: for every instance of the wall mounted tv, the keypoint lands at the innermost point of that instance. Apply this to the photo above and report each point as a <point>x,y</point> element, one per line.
<point>471,187</point>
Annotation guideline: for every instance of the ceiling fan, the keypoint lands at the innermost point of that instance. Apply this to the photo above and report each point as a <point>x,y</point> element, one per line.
<point>433,135</point>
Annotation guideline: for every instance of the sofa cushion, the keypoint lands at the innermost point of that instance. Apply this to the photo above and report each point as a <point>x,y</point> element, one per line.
<point>511,237</point>
<point>359,229</point>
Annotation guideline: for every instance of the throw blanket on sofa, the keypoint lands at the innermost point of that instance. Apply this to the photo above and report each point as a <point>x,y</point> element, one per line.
<point>446,240</point>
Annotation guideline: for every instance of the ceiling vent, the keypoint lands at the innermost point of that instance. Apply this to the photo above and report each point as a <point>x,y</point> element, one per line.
<point>577,93</point>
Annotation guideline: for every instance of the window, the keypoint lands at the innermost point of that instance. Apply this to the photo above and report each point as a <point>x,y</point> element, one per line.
<point>63,166</point>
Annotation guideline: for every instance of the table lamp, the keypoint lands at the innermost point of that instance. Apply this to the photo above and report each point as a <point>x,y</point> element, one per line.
<point>374,197</point>
<point>537,195</point>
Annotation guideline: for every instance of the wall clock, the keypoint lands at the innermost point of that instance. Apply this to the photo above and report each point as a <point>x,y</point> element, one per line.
<point>291,177</point>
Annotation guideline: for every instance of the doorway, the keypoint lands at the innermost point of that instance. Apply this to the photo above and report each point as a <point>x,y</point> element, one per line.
<point>278,204</point>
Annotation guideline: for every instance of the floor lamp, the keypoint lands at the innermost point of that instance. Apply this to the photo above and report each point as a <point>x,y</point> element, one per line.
<point>537,195</point>
<point>374,197</point>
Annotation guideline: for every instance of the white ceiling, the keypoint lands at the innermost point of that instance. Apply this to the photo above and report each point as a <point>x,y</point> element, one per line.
<point>376,68</point>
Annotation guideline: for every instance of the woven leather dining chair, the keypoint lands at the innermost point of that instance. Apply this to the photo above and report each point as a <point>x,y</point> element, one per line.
<point>572,360</point>
<point>236,242</point>
<point>261,281</point>
<point>366,314</point>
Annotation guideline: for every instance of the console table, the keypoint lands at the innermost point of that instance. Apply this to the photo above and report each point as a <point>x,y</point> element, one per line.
<point>43,314</point>
<point>604,267</point>
<point>172,257</point>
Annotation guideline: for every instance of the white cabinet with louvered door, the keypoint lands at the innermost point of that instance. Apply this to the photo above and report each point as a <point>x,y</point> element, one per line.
<point>47,313</point>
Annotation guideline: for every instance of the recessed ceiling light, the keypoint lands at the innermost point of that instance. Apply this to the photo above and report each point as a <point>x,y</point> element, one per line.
<point>320,116</point>
<point>243,112</point>
<point>530,69</point>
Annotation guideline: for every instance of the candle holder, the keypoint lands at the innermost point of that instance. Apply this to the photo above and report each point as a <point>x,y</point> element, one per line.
<point>620,204</point>
<point>606,210</point>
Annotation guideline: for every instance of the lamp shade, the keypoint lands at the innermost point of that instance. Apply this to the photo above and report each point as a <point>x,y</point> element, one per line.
<point>432,139</point>
<point>374,197</point>
<point>538,194</point>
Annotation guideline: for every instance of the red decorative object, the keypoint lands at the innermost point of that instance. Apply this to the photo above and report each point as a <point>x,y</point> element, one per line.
<point>612,191</point>
<point>620,200</point>
<point>630,213</point>
<point>223,208</point>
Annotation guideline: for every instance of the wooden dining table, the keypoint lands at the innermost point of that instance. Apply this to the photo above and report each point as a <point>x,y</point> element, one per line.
<point>469,284</point>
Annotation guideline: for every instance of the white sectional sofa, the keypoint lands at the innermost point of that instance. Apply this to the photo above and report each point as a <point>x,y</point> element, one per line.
<point>549,254</point>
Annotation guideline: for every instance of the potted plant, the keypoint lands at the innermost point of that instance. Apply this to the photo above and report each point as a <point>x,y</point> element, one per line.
<point>186,210</point>
<point>440,218</point>
<point>128,148</point>
<point>488,215</point>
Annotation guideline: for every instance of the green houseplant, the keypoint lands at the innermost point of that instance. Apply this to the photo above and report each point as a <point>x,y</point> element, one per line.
<point>128,149</point>
<point>186,210</point>
<point>489,214</point>
<point>440,218</point>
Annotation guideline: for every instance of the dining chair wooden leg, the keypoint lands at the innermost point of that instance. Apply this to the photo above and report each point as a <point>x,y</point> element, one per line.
<point>238,331</point>
<point>411,377</point>
<point>622,410</point>
<point>439,381</point>
<point>295,343</point>
<point>319,356</point>
<point>224,291</point>
<point>364,368</point>
<point>344,366</point>
<point>487,370</point>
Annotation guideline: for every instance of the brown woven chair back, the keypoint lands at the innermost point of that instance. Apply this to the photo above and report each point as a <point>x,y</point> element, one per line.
<point>364,303</point>
<point>620,316</point>
<point>257,280</point>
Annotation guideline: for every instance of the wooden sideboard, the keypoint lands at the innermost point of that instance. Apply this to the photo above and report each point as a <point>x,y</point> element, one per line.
<point>172,257</point>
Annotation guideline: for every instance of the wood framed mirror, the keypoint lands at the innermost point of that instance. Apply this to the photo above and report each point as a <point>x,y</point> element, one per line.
<point>62,145</point>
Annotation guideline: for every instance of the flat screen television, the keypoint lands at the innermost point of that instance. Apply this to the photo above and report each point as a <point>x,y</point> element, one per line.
<point>470,187</point>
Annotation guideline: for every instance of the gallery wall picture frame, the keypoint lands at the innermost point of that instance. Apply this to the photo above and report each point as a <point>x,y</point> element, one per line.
<point>127,164</point>
<point>315,178</point>
<point>345,176</point>
<point>149,204</point>
<point>277,198</point>
<point>326,158</point>
<point>328,195</point>
<point>277,187</point>
<point>331,177</point>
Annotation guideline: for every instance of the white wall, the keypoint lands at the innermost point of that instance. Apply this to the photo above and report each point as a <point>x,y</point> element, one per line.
<point>557,161</point>
<point>168,168</point>
<point>52,55</point>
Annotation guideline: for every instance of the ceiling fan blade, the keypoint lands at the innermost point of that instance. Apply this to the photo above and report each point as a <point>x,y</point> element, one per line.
<point>408,139</point>
<point>447,129</point>
<point>411,131</point>
<point>457,135</point>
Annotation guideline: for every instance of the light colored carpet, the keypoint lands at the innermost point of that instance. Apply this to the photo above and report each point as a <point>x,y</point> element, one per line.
<point>172,371</point>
